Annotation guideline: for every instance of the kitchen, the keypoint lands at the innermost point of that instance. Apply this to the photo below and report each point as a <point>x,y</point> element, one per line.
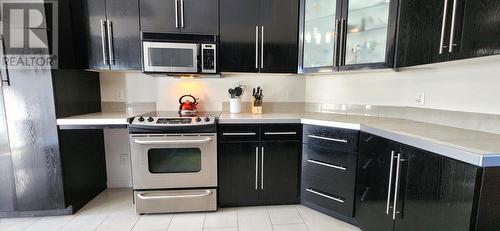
<point>251,115</point>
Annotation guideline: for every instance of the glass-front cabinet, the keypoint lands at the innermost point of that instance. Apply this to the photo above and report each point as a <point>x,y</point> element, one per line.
<point>342,35</point>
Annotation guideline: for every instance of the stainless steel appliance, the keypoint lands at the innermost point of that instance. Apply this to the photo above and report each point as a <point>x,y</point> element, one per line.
<point>164,53</point>
<point>174,162</point>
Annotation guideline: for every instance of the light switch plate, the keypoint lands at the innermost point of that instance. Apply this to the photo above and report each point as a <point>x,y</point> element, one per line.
<point>420,98</point>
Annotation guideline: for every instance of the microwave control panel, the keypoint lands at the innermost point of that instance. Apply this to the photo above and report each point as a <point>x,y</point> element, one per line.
<point>208,58</point>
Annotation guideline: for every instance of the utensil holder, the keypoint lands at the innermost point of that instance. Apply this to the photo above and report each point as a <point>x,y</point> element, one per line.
<point>235,105</point>
<point>257,107</point>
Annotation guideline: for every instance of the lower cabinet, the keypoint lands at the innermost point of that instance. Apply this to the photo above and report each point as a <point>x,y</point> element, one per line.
<point>405,188</point>
<point>329,170</point>
<point>258,166</point>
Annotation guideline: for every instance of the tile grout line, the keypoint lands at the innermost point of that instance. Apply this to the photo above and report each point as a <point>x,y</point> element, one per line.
<point>169,222</point>
<point>301,217</point>
<point>269,217</point>
<point>204,220</point>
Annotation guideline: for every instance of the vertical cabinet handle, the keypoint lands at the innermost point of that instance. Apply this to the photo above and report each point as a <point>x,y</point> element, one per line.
<point>262,47</point>
<point>176,6</point>
<point>396,186</point>
<point>389,186</point>
<point>262,168</point>
<point>256,47</point>
<point>103,42</point>
<point>182,13</point>
<point>452,32</point>
<point>110,43</point>
<point>256,167</point>
<point>443,27</point>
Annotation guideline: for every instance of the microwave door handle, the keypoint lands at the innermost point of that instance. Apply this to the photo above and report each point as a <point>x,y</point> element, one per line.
<point>147,142</point>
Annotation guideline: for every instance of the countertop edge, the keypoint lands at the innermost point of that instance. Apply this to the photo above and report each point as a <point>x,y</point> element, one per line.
<point>92,121</point>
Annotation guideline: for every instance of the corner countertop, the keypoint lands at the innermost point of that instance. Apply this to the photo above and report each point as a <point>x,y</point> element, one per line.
<point>473,147</point>
<point>98,118</point>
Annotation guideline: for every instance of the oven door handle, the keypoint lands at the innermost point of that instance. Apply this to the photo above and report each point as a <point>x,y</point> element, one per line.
<point>146,142</point>
<point>151,196</point>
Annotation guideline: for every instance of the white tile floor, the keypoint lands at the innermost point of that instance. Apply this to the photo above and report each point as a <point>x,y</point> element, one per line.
<point>113,210</point>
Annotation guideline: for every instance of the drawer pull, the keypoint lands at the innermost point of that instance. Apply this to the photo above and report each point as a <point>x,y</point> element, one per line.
<point>149,196</point>
<point>338,199</point>
<point>239,134</point>
<point>326,138</point>
<point>280,133</point>
<point>327,165</point>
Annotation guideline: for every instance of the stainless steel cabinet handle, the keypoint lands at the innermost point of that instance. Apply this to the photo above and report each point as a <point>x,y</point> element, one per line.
<point>443,27</point>
<point>4,71</point>
<point>149,196</point>
<point>262,168</point>
<point>182,13</point>
<point>280,133</point>
<point>326,164</point>
<point>326,138</point>
<point>103,42</point>
<point>452,32</point>
<point>389,186</point>
<point>262,47</point>
<point>326,196</point>
<point>256,47</point>
<point>256,167</point>
<point>146,142</point>
<point>110,43</point>
<point>239,134</point>
<point>396,187</point>
<point>176,6</point>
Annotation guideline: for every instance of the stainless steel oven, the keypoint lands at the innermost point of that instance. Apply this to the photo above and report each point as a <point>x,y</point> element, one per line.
<point>174,164</point>
<point>174,160</point>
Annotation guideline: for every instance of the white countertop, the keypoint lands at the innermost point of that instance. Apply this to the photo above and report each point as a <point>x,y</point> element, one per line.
<point>99,118</point>
<point>478,148</point>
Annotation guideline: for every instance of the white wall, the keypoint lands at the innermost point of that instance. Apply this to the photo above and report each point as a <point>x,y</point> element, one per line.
<point>470,85</point>
<point>138,87</point>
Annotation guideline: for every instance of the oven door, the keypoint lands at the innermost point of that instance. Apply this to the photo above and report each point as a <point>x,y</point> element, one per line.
<point>173,161</point>
<point>170,57</point>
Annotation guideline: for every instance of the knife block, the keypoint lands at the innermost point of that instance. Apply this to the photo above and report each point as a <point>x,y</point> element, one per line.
<point>257,107</point>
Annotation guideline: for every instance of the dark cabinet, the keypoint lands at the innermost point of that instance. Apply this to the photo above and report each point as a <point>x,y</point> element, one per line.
<point>480,31</point>
<point>180,16</point>
<point>254,170</point>
<point>280,168</point>
<point>259,36</point>
<point>238,173</point>
<point>329,159</point>
<point>114,42</point>
<point>435,31</point>
<point>400,187</point>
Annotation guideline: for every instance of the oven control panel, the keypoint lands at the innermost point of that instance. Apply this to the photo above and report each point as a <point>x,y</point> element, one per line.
<point>173,121</point>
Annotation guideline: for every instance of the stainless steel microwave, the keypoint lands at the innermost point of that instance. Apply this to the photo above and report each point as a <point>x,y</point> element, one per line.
<point>175,57</point>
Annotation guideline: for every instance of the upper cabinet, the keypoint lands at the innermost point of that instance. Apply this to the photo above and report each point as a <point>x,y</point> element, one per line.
<point>180,16</point>
<point>259,36</point>
<point>435,31</point>
<point>343,35</point>
<point>114,42</point>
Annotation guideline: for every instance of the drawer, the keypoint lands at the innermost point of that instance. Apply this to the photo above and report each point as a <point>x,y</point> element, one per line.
<point>332,157</point>
<point>281,132</point>
<point>310,195</point>
<point>338,183</point>
<point>239,133</point>
<point>169,201</point>
<point>332,138</point>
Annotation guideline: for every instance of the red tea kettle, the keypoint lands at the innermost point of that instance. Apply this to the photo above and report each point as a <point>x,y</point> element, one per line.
<point>187,107</point>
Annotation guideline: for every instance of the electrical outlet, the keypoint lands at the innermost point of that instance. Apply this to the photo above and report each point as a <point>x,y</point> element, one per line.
<point>120,95</point>
<point>123,159</point>
<point>420,98</point>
